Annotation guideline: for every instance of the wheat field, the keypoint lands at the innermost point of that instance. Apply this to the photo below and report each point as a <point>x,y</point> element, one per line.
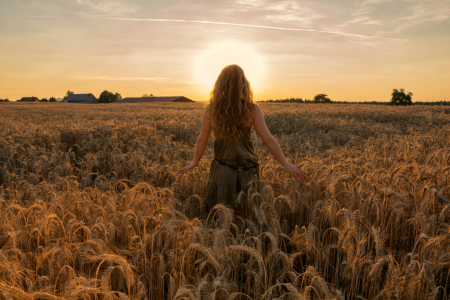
<point>92,205</point>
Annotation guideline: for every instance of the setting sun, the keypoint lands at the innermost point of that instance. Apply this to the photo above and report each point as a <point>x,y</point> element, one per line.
<point>211,61</point>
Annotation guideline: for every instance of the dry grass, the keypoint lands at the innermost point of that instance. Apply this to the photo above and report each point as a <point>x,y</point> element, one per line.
<point>92,206</point>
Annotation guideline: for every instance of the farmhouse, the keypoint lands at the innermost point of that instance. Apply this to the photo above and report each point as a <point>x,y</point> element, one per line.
<point>81,98</point>
<point>29,99</point>
<point>154,99</point>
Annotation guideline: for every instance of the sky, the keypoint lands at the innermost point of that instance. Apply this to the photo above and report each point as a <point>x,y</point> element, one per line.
<point>349,50</point>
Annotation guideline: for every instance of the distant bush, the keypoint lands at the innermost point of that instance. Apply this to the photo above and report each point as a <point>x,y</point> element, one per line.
<point>52,99</point>
<point>108,97</point>
<point>322,98</point>
<point>4,100</point>
<point>43,100</point>
<point>399,97</point>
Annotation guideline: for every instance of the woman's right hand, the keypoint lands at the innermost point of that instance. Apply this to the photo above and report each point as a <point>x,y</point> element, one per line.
<point>295,171</point>
<point>188,167</point>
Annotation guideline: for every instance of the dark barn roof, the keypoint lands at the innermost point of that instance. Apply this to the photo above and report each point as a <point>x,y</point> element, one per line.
<point>29,99</point>
<point>79,98</point>
<point>154,99</point>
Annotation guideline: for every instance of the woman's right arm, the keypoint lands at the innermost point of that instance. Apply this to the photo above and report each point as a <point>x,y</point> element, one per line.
<point>202,141</point>
<point>271,143</point>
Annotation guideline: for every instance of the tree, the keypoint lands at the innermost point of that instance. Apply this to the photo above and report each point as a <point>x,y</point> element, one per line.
<point>321,98</point>
<point>4,100</point>
<point>52,99</point>
<point>145,95</point>
<point>43,100</point>
<point>399,97</point>
<point>108,97</point>
<point>67,94</point>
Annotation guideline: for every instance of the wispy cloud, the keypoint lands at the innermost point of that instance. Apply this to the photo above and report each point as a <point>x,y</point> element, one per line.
<point>289,11</point>
<point>400,16</point>
<point>422,13</point>
<point>65,7</point>
<point>249,3</point>
<point>256,26</point>
<point>281,11</point>
<point>111,6</point>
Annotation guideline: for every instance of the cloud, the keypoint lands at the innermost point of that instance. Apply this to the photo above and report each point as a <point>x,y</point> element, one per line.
<point>289,17</point>
<point>47,8</point>
<point>422,13</point>
<point>249,3</point>
<point>111,6</point>
<point>290,11</point>
<point>401,15</point>
<point>300,12</point>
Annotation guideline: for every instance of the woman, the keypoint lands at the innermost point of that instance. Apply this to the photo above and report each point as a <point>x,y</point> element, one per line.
<point>232,114</point>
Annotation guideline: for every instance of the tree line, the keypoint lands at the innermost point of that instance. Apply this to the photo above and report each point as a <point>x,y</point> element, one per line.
<point>319,98</point>
<point>398,97</point>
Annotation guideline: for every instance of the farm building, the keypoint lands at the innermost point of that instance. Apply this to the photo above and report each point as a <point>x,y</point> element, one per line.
<point>81,98</point>
<point>29,99</point>
<point>154,99</point>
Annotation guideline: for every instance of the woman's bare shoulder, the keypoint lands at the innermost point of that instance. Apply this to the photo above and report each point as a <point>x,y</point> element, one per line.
<point>207,110</point>
<point>255,110</point>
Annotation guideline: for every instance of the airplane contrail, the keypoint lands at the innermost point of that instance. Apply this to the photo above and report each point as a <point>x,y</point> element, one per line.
<point>257,26</point>
<point>125,78</point>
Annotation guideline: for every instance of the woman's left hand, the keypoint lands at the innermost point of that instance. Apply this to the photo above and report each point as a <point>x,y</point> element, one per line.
<point>188,167</point>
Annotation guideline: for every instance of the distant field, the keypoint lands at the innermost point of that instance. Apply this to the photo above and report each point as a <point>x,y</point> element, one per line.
<point>92,205</point>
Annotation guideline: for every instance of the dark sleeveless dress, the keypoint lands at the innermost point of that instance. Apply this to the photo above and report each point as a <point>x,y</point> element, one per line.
<point>225,183</point>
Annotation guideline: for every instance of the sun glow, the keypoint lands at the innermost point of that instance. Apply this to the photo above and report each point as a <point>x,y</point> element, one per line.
<point>210,62</point>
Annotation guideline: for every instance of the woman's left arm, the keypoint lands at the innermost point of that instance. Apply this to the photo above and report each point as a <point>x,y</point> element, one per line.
<point>202,141</point>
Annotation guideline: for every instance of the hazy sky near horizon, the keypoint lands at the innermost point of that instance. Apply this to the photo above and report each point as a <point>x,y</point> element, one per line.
<point>350,50</point>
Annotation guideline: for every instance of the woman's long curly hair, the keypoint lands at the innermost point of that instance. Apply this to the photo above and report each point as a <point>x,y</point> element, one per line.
<point>231,103</point>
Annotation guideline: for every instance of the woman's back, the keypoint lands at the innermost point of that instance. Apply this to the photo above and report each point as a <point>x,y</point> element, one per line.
<point>239,152</point>
<point>235,165</point>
